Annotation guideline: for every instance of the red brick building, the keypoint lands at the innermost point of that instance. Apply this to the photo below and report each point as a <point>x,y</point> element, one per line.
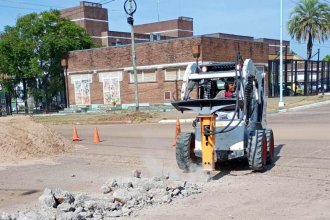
<point>94,19</point>
<point>104,76</point>
<point>181,27</point>
<point>90,16</point>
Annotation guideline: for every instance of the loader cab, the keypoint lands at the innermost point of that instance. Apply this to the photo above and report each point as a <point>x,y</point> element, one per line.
<point>207,81</point>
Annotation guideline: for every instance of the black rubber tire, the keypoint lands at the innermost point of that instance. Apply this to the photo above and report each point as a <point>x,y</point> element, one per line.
<point>185,146</point>
<point>270,145</point>
<point>257,150</point>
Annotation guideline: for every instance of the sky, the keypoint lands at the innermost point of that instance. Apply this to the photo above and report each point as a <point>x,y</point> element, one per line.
<point>255,18</point>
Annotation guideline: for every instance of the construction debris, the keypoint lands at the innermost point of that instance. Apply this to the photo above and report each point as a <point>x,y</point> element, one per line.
<point>119,197</point>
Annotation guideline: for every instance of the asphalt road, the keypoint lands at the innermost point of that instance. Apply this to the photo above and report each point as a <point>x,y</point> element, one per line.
<point>297,186</point>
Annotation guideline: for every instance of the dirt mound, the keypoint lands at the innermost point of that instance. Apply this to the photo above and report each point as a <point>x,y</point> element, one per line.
<point>22,138</point>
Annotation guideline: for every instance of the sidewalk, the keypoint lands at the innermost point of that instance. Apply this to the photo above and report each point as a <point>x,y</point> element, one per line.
<point>295,101</point>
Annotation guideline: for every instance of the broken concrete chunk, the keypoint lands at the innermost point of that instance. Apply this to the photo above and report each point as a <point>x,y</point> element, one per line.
<point>47,199</point>
<point>136,173</point>
<point>115,213</point>
<point>105,189</point>
<point>62,196</point>
<point>122,195</point>
<point>176,192</point>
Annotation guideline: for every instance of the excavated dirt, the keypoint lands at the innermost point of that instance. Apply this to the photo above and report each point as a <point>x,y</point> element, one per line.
<point>21,138</point>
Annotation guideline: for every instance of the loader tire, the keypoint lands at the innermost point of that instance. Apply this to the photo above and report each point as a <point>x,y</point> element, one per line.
<point>270,146</point>
<point>257,150</point>
<point>185,146</point>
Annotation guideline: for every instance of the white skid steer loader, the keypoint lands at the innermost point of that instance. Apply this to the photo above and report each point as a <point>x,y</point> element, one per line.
<point>226,127</point>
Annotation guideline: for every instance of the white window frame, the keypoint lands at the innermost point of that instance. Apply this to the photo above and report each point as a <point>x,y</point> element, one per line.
<point>179,71</point>
<point>110,95</point>
<point>83,93</point>
<point>143,76</point>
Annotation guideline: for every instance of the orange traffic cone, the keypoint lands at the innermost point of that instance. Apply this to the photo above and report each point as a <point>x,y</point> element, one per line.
<point>75,136</point>
<point>96,138</point>
<point>177,130</point>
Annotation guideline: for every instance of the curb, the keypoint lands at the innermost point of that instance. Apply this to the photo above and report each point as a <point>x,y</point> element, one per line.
<point>309,105</point>
<point>173,121</point>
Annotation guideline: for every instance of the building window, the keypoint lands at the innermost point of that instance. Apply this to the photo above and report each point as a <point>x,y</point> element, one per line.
<point>111,87</point>
<point>174,74</point>
<point>82,92</point>
<point>167,95</point>
<point>143,76</point>
<point>111,91</point>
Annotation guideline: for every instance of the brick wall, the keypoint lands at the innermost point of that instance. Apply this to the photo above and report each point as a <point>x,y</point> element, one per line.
<point>171,51</point>
<point>181,27</point>
<point>72,13</point>
<point>274,45</point>
<point>231,36</point>
<point>91,18</point>
<point>152,92</point>
<point>218,49</point>
<point>115,38</point>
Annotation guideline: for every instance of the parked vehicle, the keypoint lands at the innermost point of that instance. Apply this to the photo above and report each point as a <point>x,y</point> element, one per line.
<point>287,91</point>
<point>296,89</point>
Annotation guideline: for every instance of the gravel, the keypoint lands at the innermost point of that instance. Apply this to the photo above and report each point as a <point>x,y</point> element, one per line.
<point>118,197</point>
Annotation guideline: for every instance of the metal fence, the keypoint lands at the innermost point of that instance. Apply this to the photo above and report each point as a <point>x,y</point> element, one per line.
<point>300,77</point>
<point>3,104</point>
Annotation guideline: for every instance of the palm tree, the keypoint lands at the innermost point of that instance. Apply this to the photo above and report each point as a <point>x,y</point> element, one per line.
<point>310,20</point>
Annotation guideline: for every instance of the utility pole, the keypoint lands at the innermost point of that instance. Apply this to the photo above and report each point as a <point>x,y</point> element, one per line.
<point>158,10</point>
<point>130,8</point>
<point>281,102</point>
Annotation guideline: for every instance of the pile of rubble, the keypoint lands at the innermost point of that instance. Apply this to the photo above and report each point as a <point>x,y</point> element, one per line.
<point>118,197</point>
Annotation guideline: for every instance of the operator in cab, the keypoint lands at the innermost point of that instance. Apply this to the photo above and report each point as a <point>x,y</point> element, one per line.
<point>229,90</point>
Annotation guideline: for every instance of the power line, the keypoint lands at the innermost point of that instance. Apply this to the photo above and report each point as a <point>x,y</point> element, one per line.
<point>100,2</point>
<point>30,4</point>
<point>7,6</point>
<point>108,2</point>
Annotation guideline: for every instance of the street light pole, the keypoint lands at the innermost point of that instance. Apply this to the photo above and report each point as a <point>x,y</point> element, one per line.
<point>281,103</point>
<point>64,64</point>
<point>130,11</point>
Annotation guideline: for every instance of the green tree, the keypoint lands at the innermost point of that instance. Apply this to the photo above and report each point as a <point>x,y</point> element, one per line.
<point>31,51</point>
<point>326,58</point>
<point>309,21</point>
<point>14,60</point>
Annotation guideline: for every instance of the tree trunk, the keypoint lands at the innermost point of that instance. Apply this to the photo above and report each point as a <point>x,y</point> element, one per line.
<point>26,107</point>
<point>309,46</point>
<point>46,109</point>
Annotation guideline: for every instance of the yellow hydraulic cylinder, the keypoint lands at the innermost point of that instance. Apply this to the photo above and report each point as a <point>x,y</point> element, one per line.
<point>208,141</point>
